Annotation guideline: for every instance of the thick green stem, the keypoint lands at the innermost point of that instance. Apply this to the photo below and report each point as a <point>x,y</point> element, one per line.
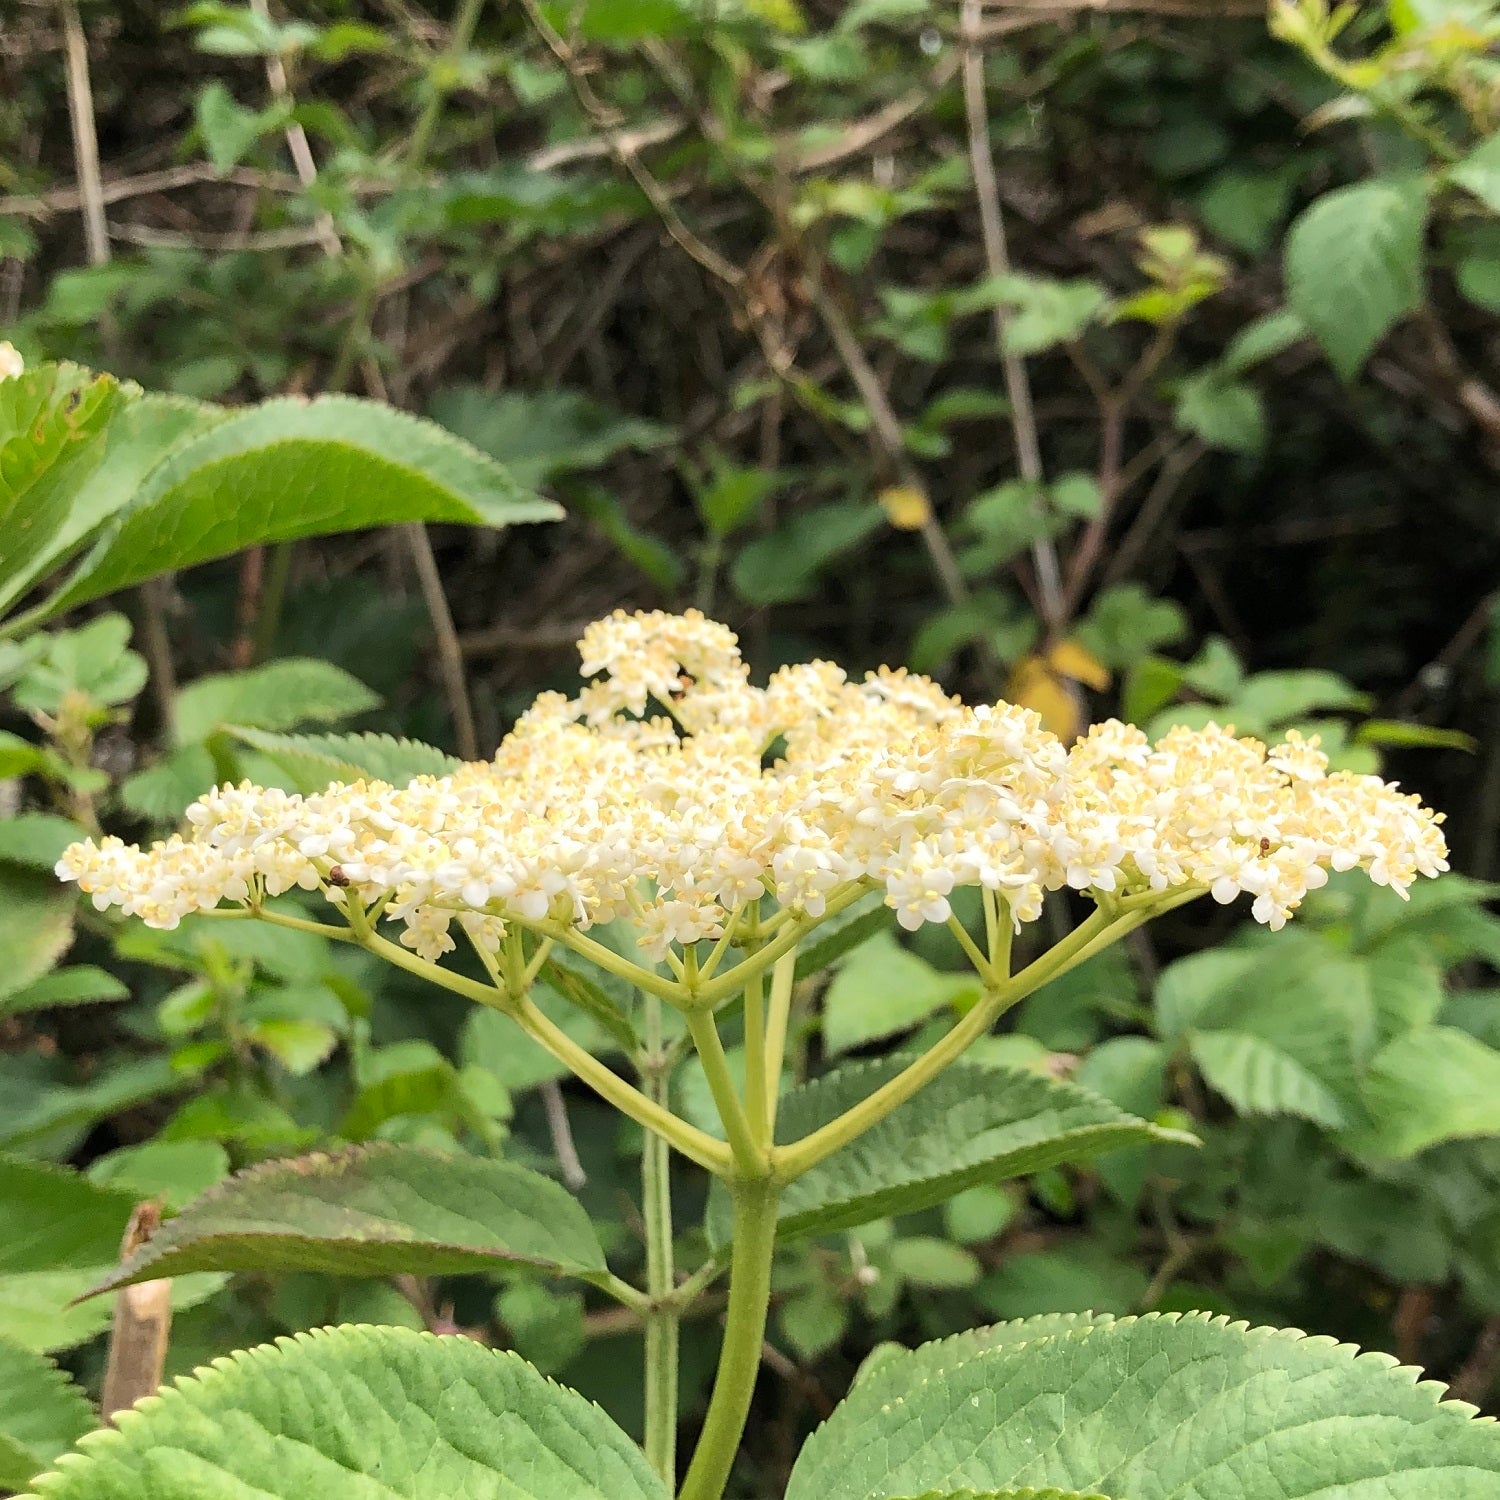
<point>664,1317</point>
<point>744,1332</point>
<point>783,977</point>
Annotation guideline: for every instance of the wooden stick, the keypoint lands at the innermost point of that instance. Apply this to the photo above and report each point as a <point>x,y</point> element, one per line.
<point>142,1326</point>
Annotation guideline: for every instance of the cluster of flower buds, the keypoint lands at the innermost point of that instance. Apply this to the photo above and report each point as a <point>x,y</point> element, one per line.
<point>802,790</point>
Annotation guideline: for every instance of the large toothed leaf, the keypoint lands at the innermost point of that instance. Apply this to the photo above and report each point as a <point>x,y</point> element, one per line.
<point>290,468</point>
<point>42,1412</point>
<point>1157,1408</point>
<point>972,1124</point>
<point>374,1211</point>
<point>359,1413</point>
<point>1026,1494</point>
<point>143,428</point>
<point>314,760</point>
<point>52,436</point>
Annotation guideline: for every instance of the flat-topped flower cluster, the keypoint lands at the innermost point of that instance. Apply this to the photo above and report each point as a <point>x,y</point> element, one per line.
<point>672,792</point>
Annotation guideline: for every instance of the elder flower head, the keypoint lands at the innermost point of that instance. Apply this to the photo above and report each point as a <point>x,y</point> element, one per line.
<point>590,811</point>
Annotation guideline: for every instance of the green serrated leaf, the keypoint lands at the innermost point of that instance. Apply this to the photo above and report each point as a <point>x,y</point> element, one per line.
<point>972,1124</point>
<point>53,420</point>
<point>360,1412</point>
<point>42,1412</point>
<point>1354,265</point>
<point>1258,1078</point>
<point>290,468</point>
<point>144,429</point>
<point>1151,1408</point>
<point>377,1210</point>
<point>314,760</point>
<point>279,695</point>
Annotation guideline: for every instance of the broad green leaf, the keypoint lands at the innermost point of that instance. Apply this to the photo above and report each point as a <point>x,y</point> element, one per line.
<point>1354,265</point>
<point>175,1170</point>
<point>1479,172</point>
<point>142,432</point>
<point>1263,339</point>
<point>1226,414</point>
<point>290,468</point>
<point>1406,984</point>
<point>81,985</point>
<point>56,1220</point>
<point>1026,1494</point>
<point>1258,1078</point>
<point>36,926</point>
<point>972,1124</point>
<point>42,1412</point>
<point>1156,1407</point>
<point>785,565</point>
<point>883,989</point>
<point>50,1109</point>
<point>538,435</point>
<point>94,660</point>
<point>314,760</point>
<point>36,839</point>
<point>52,435</point>
<point>897,1369</point>
<point>1430,1085</point>
<point>379,1210</point>
<point>360,1413</point>
<point>1045,312</point>
<point>279,695</point>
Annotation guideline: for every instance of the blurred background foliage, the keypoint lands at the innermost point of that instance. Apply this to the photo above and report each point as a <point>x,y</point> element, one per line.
<point>1121,357</point>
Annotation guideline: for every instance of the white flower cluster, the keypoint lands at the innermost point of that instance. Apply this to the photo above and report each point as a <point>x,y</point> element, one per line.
<point>810,786</point>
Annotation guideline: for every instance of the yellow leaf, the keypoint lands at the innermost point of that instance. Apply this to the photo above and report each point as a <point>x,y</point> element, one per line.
<point>905,507</point>
<point>1070,659</point>
<point>1034,685</point>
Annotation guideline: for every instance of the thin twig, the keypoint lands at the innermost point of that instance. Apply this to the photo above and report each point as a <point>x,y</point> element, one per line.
<point>85,135</point>
<point>605,122</point>
<point>1153,512</point>
<point>886,427</point>
<point>445,637</point>
<point>560,1128</point>
<point>997,257</point>
<point>296,139</point>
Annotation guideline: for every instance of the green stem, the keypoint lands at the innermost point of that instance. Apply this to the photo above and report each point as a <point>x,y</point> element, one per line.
<point>733,980</point>
<point>749,1158</point>
<point>463,33</point>
<point>756,1059</point>
<point>744,1333</point>
<point>663,1317</point>
<point>1100,928</point>
<point>783,977</point>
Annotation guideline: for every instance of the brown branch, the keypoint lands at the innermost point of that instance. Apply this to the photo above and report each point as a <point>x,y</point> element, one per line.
<point>997,258</point>
<point>142,1325</point>
<point>85,134</point>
